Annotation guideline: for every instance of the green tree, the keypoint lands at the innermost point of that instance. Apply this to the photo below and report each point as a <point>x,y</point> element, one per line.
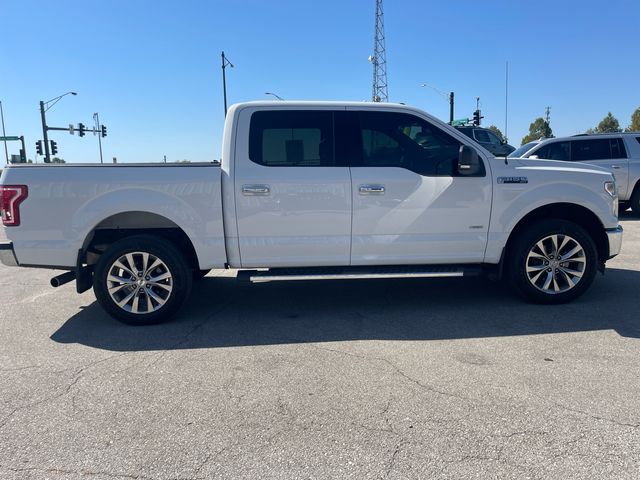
<point>57,160</point>
<point>539,128</point>
<point>635,121</point>
<point>609,124</point>
<point>497,131</point>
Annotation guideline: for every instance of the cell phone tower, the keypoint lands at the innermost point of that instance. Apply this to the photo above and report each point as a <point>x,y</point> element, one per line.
<point>379,59</point>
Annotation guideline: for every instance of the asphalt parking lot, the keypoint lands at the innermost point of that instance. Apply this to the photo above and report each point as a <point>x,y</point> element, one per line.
<point>362,379</point>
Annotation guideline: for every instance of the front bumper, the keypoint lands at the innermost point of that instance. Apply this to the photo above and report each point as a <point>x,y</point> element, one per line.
<point>7,255</point>
<point>615,240</point>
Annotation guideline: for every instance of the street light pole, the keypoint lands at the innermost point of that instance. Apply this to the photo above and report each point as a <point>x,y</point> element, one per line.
<point>44,106</point>
<point>225,63</point>
<point>449,97</point>
<point>277,96</point>
<point>6,152</point>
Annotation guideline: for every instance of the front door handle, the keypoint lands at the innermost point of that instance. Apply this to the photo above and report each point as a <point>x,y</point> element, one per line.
<point>256,190</point>
<point>371,189</point>
<point>616,167</point>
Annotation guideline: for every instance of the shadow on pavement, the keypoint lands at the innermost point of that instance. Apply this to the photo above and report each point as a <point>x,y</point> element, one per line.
<point>223,313</point>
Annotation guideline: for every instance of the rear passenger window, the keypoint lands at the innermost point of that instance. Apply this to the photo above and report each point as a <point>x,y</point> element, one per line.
<point>292,139</point>
<point>555,151</point>
<point>587,150</point>
<point>617,148</point>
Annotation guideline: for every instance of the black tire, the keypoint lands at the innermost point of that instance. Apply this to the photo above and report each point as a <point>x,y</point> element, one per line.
<point>537,289</point>
<point>622,207</point>
<point>151,311</point>
<point>634,203</point>
<point>199,274</point>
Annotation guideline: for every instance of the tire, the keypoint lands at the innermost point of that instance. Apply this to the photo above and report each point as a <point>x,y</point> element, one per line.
<point>622,207</point>
<point>154,302</point>
<point>538,276</point>
<point>198,275</point>
<point>634,203</point>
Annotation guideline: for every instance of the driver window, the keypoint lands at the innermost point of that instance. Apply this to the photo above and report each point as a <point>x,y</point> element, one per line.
<point>402,140</point>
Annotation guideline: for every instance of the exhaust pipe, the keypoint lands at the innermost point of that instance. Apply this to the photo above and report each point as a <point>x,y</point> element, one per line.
<point>63,278</point>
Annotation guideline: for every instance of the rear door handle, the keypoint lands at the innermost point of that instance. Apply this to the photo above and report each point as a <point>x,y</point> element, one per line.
<point>371,189</point>
<point>616,167</point>
<point>256,190</point>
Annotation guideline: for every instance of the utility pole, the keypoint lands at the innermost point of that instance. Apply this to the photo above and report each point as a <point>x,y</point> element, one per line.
<point>380,91</point>
<point>45,136</point>
<point>547,115</point>
<point>6,152</point>
<point>225,63</point>
<point>96,120</point>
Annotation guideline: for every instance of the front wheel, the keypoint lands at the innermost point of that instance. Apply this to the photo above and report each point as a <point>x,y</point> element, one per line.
<point>552,261</point>
<point>142,280</point>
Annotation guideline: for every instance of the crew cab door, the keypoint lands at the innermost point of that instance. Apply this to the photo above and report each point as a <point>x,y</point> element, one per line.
<point>293,198</point>
<point>411,205</point>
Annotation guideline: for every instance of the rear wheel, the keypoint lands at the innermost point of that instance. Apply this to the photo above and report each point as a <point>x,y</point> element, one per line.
<point>634,203</point>
<point>142,280</point>
<point>552,261</point>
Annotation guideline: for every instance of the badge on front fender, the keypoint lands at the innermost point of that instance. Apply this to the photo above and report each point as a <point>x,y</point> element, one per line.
<point>513,180</point>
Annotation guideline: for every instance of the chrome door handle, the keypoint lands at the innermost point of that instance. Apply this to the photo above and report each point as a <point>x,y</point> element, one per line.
<point>256,190</point>
<point>616,167</point>
<point>371,189</point>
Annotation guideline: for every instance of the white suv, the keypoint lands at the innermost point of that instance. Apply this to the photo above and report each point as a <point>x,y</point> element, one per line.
<point>617,152</point>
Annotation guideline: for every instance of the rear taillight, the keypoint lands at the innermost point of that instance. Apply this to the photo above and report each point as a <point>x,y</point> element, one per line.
<point>10,198</point>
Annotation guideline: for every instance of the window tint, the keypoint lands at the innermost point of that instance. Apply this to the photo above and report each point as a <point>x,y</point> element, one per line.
<point>617,148</point>
<point>402,140</point>
<point>292,138</point>
<point>482,136</point>
<point>555,151</point>
<point>638,139</point>
<point>493,138</point>
<point>586,150</point>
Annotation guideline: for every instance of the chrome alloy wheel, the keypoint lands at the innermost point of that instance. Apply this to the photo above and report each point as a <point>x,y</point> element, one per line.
<point>556,264</point>
<point>139,282</point>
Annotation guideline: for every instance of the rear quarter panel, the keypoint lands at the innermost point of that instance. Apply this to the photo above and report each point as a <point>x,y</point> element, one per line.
<point>66,202</point>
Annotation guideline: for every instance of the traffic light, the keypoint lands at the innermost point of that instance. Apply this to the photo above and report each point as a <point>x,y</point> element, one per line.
<point>54,147</point>
<point>103,131</point>
<point>23,156</point>
<point>476,118</point>
<point>81,129</point>
<point>39,147</point>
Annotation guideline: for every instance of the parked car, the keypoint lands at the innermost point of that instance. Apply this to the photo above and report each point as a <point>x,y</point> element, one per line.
<point>311,191</point>
<point>488,140</point>
<point>617,152</point>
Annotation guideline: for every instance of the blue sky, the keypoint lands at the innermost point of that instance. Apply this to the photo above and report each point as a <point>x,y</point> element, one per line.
<point>152,68</point>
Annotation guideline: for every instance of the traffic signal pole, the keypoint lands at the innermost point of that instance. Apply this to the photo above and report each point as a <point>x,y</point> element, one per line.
<point>47,155</point>
<point>451,108</point>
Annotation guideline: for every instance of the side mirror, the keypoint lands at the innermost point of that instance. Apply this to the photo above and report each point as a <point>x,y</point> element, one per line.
<point>469,163</point>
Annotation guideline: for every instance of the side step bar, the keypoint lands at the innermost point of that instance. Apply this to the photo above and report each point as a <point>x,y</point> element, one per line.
<point>353,273</point>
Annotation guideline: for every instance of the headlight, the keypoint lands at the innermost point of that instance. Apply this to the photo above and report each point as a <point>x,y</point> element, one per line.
<point>610,188</point>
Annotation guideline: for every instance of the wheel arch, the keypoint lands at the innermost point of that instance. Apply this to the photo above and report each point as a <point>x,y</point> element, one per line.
<point>565,211</point>
<point>125,224</point>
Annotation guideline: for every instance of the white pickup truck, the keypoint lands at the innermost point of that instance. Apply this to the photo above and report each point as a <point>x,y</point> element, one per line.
<point>313,190</point>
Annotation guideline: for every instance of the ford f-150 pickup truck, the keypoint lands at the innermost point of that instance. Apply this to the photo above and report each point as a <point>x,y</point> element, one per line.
<point>313,190</point>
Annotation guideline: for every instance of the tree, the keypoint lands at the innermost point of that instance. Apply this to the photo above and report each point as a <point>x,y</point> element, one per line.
<point>539,128</point>
<point>497,131</point>
<point>609,124</point>
<point>57,160</point>
<point>635,121</point>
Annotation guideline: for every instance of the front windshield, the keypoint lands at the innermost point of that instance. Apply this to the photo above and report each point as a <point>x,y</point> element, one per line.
<point>518,152</point>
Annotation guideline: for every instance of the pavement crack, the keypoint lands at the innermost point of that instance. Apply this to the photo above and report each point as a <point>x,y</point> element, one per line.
<point>400,372</point>
<point>597,417</point>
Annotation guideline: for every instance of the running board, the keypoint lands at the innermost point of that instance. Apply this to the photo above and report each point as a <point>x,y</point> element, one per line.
<point>353,273</point>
